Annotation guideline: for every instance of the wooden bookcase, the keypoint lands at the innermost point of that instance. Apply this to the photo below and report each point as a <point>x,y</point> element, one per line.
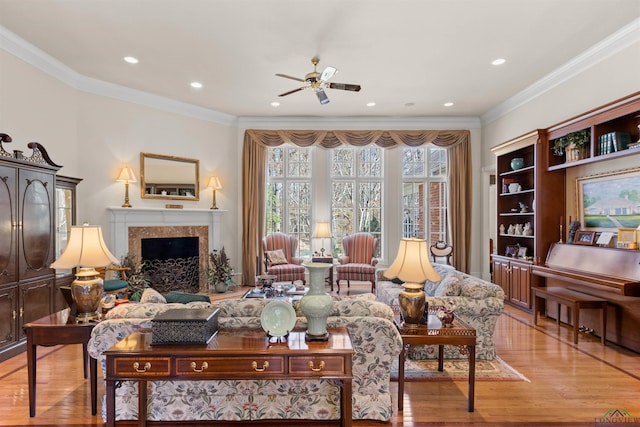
<point>538,199</point>
<point>613,129</point>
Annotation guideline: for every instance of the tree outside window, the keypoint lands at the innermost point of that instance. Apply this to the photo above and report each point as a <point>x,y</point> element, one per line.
<point>288,210</point>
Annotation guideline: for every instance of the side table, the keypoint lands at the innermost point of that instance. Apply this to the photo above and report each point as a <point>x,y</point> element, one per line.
<point>434,333</point>
<point>326,260</point>
<point>58,329</point>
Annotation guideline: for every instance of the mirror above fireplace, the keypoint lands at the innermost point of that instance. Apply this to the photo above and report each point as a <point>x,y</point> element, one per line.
<point>169,177</point>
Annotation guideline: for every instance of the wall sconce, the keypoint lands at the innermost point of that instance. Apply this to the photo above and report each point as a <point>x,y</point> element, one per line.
<point>214,184</point>
<point>126,175</point>
<point>86,249</point>
<point>322,231</point>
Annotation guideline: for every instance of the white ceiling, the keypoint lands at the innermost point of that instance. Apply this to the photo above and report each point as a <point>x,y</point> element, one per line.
<point>410,56</point>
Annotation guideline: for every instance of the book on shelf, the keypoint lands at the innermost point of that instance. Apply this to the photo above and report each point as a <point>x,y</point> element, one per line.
<point>613,141</point>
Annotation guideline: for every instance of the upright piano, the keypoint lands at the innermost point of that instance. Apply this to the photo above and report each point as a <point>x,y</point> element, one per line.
<point>608,273</point>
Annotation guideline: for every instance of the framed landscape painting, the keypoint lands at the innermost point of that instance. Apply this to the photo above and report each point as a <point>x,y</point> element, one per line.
<point>609,201</point>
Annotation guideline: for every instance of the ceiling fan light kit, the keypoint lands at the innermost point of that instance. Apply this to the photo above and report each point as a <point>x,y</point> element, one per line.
<point>319,81</point>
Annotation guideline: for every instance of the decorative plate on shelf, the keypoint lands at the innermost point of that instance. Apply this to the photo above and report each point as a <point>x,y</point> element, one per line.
<point>278,318</point>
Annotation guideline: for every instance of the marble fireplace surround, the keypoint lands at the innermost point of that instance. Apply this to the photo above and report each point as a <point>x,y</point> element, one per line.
<point>128,226</point>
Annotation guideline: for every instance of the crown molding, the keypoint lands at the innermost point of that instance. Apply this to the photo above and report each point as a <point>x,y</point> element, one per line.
<point>360,123</point>
<point>618,41</point>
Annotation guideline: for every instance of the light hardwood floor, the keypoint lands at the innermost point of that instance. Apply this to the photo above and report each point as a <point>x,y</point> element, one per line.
<point>570,385</point>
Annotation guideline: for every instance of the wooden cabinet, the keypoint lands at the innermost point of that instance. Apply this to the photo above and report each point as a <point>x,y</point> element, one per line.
<point>27,199</point>
<point>612,131</point>
<point>514,277</point>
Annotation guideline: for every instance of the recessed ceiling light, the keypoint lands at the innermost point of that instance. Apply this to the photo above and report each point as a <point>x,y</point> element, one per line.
<point>498,61</point>
<point>371,104</point>
<point>275,104</point>
<point>131,59</point>
<point>409,104</point>
<point>196,85</point>
<point>448,104</point>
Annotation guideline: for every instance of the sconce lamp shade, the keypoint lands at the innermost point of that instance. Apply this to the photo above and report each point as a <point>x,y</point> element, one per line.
<point>214,182</point>
<point>322,231</point>
<point>413,267</point>
<point>126,175</point>
<point>86,248</point>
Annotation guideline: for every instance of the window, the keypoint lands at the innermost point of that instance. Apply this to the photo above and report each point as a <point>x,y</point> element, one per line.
<point>424,193</point>
<point>288,210</point>
<point>356,192</point>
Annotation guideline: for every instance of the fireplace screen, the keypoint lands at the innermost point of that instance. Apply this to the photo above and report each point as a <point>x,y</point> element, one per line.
<point>172,263</point>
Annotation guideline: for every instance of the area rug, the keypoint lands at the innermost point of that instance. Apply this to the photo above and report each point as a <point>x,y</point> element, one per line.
<point>457,370</point>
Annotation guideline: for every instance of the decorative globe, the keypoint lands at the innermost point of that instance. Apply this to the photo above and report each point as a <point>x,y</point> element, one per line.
<point>517,163</point>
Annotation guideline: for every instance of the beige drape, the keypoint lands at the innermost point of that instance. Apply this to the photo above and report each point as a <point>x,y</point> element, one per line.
<point>254,156</point>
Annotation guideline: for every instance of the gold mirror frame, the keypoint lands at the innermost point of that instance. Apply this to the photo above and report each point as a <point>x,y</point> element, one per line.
<point>169,177</point>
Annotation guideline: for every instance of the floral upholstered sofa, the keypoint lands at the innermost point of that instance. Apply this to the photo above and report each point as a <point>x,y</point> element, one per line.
<point>375,340</point>
<point>478,302</point>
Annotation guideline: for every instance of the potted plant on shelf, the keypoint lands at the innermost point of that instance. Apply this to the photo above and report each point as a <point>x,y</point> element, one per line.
<point>573,144</point>
<point>219,272</point>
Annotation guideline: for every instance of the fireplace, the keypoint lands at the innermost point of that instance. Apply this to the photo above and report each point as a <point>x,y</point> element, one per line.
<point>129,226</point>
<point>171,263</point>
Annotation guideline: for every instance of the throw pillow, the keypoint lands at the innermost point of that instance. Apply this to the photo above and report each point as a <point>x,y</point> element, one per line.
<point>450,286</point>
<point>276,257</point>
<point>151,295</point>
<point>184,297</point>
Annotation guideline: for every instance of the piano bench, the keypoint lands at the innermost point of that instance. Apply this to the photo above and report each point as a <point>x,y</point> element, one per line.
<point>574,300</point>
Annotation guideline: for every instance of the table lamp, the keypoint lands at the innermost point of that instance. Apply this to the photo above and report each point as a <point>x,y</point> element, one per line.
<point>214,184</point>
<point>86,249</point>
<point>412,266</point>
<point>126,175</point>
<point>322,231</point>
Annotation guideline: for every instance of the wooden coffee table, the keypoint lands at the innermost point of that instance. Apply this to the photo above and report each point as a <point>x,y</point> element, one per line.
<point>233,354</point>
<point>459,334</point>
<point>59,329</point>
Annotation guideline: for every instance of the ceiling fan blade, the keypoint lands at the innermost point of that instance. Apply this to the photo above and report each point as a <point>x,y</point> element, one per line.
<point>344,86</point>
<point>327,74</point>
<point>322,97</point>
<point>293,91</point>
<point>289,77</point>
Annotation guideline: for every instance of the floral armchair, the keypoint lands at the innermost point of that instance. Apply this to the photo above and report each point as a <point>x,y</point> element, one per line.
<point>279,258</point>
<point>358,262</point>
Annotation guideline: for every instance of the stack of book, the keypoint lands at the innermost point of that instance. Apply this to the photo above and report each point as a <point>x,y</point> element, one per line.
<point>613,141</point>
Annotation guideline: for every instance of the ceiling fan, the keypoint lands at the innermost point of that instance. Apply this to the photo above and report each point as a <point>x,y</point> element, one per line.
<point>319,81</point>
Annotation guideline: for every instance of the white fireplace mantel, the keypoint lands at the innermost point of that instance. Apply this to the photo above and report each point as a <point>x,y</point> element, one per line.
<point>123,218</point>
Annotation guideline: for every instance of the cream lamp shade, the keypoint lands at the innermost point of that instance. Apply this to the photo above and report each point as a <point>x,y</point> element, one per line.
<point>322,231</point>
<point>86,249</point>
<point>214,184</point>
<point>126,175</point>
<point>413,267</point>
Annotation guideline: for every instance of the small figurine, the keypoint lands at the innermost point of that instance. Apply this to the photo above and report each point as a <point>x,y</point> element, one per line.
<point>502,229</point>
<point>523,208</point>
<point>518,230</point>
<point>511,229</point>
<point>527,231</point>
